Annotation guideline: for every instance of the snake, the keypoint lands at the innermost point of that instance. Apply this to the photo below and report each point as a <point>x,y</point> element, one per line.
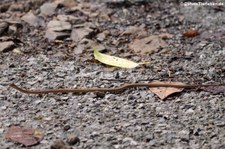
<point>116,89</point>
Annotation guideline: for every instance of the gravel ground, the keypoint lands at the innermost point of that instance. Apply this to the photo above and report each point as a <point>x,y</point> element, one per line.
<point>136,118</point>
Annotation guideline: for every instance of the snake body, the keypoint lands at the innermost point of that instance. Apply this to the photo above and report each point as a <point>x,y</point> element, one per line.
<point>117,89</point>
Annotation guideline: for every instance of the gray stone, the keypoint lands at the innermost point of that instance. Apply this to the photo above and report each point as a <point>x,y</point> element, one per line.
<point>58,30</point>
<point>79,49</point>
<point>70,18</point>
<point>33,20</point>
<point>66,3</point>
<point>48,9</point>
<point>52,35</point>
<point>3,27</point>
<point>56,25</point>
<point>79,33</point>
<point>102,36</point>
<point>7,46</point>
<point>184,135</point>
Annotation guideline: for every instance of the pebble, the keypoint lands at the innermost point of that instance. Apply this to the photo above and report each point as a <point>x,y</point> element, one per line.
<point>7,46</point>
<point>3,107</point>
<point>80,33</point>
<point>184,135</point>
<point>73,139</point>
<point>1,130</point>
<point>66,127</point>
<point>130,140</point>
<point>190,111</point>
<point>58,30</point>
<point>102,36</point>
<point>33,20</point>
<point>58,26</point>
<point>3,27</point>
<point>58,144</point>
<point>52,35</point>
<point>66,3</point>
<point>48,9</point>
<point>70,18</point>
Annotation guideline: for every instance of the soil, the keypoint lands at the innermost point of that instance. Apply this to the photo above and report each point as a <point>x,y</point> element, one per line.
<point>49,44</point>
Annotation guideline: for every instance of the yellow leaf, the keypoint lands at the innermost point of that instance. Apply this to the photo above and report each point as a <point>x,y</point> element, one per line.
<point>115,61</point>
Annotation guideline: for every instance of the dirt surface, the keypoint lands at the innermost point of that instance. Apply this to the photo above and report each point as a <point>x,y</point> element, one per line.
<point>49,44</point>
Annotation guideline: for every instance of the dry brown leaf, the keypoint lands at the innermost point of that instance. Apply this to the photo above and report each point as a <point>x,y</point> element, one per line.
<point>163,92</point>
<point>148,45</point>
<point>191,33</point>
<point>25,136</point>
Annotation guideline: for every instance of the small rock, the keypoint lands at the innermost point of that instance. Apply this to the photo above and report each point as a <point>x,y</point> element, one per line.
<point>66,3</point>
<point>12,29</point>
<point>70,18</point>
<point>79,33</point>
<point>117,146</point>
<point>220,123</point>
<point>32,20</point>
<point>1,131</point>
<point>4,7</point>
<point>102,36</point>
<point>86,44</point>
<point>56,25</point>
<point>132,142</point>
<point>48,9</point>
<point>67,127</point>
<point>16,7</point>
<point>7,46</point>
<point>100,95</point>
<point>52,35</point>
<point>3,27</point>
<point>37,102</point>
<point>17,51</point>
<point>184,135</point>
<point>3,107</point>
<point>79,49</point>
<point>58,144</point>
<point>72,140</point>
<point>190,111</point>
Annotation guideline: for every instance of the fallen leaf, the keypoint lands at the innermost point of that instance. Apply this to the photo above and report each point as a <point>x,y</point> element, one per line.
<point>148,45</point>
<point>115,61</point>
<point>163,92</point>
<point>25,136</point>
<point>191,33</point>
